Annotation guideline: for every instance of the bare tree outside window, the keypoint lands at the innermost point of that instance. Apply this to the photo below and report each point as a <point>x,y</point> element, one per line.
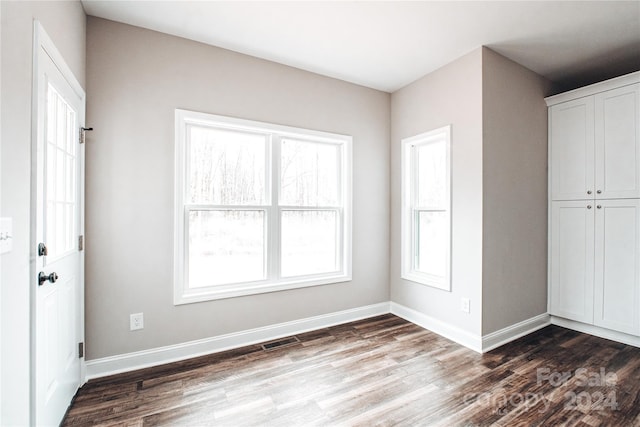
<point>261,207</point>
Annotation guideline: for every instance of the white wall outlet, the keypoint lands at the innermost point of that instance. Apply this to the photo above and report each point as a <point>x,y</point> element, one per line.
<point>136,321</point>
<point>6,235</point>
<point>465,305</point>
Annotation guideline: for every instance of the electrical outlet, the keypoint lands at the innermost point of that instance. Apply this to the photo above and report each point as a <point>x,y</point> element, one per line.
<point>465,305</point>
<point>136,321</point>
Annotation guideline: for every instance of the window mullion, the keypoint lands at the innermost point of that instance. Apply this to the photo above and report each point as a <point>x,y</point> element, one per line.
<point>415,236</point>
<point>273,238</point>
<point>413,191</point>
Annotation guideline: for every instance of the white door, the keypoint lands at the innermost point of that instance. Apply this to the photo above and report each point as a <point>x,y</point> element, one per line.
<point>58,277</point>
<point>617,144</point>
<point>572,149</point>
<point>617,272</point>
<point>572,250</point>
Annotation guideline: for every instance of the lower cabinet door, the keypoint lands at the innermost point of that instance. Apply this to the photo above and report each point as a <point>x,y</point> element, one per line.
<point>572,260</point>
<point>617,265</point>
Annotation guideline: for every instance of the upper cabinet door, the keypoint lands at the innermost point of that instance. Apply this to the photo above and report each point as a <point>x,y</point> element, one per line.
<point>617,168</point>
<point>571,131</point>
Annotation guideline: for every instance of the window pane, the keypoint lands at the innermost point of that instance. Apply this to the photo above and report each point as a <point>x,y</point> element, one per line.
<point>225,247</point>
<point>60,175</point>
<point>309,173</point>
<point>432,174</point>
<point>309,241</point>
<point>432,237</point>
<point>226,167</point>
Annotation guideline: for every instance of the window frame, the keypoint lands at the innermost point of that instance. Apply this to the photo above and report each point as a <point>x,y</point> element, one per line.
<point>273,280</point>
<point>410,208</point>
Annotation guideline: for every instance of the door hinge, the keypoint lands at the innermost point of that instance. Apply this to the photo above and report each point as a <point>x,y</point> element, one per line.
<point>80,350</point>
<point>83,132</point>
<point>80,243</point>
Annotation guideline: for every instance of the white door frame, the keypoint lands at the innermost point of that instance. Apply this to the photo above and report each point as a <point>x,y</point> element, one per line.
<point>41,40</point>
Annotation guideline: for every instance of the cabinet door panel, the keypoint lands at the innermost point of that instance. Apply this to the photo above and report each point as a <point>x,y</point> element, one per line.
<point>571,264</point>
<point>572,149</point>
<point>617,272</point>
<point>617,166</point>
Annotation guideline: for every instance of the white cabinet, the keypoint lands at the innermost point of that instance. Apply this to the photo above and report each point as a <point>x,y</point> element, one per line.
<point>572,152</point>
<point>594,203</point>
<point>572,260</point>
<point>595,263</point>
<point>595,149</point>
<point>617,265</point>
<point>617,143</point>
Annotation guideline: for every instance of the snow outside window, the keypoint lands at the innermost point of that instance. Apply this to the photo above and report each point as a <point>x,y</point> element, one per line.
<point>258,207</point>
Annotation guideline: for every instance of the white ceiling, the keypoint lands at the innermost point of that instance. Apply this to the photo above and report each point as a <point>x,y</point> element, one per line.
<point>388,44</point>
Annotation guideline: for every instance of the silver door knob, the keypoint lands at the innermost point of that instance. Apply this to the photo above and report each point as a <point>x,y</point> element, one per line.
<point>42,277</point>
<point>588,206</point>
<point>599,206</point>
<point>589,191</point>
<point>599,191</point>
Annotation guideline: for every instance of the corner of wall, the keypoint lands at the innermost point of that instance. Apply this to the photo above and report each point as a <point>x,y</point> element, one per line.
<point>514,226</point>
<point>125,66</point>
<point>451,95</point>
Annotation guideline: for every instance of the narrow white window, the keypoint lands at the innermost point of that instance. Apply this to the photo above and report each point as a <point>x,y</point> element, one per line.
<point>426,208</point>
<point>258,207</point>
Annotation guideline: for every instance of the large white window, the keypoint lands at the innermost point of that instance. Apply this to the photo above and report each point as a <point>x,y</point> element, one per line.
<point>426,208</point>
<point>258,207</point>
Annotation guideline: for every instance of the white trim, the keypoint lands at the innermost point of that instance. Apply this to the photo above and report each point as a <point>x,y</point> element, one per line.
<point>409,206</point>
<point>273,280</point>
<point>597,331</point>
<point>44,47</point>
<point>157,356</point>
<point>627,79</point>
<point>111,365</point>
<point>515,331</point>
<point>454,333</point>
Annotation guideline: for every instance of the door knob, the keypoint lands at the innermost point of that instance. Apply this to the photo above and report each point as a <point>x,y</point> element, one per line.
<point>43,278</point>
<point>588,191</point>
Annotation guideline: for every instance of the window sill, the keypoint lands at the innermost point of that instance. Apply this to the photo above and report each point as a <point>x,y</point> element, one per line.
<point>428,280</point>
<point>246,289</point>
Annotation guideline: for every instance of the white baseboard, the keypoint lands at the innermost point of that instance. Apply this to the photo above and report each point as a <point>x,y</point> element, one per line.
<point>157,356</point>
<point>597,331</point>
<point>513,332</point>
<point>462,337</point>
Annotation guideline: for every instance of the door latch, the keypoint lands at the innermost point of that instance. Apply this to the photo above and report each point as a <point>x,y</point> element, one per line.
<point>42,249</point>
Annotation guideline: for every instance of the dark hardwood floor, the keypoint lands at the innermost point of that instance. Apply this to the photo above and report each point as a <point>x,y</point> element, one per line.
<point>380,371</point>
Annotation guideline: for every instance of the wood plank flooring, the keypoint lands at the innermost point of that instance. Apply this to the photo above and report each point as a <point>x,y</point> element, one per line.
<point>382,371</point>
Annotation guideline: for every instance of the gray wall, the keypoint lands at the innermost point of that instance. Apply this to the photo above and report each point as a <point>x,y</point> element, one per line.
<point>499,153</point>
<point>136,78</point>
<point>514,245</point>
<point>450,95</point>
<point>65,24</point>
